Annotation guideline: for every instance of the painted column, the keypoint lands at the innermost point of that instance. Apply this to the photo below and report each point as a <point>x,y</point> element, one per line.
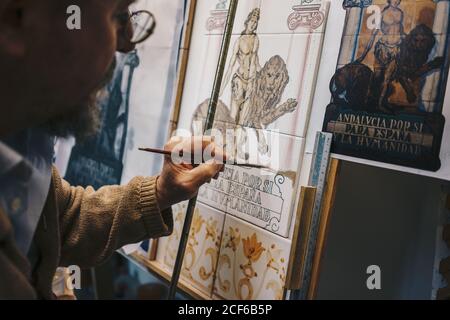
<point>353,22</point>
<point>218,17</point>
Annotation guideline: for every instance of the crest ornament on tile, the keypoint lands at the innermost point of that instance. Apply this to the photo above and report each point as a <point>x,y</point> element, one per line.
<point>357,3</point>
<point>306,15</point>
<point>218,16</point>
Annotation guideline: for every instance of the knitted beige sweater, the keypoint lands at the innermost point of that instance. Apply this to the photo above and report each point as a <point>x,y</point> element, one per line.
<point>80,227</point>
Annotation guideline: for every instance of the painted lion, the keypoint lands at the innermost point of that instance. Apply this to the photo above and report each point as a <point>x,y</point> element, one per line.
<point>261,109</point>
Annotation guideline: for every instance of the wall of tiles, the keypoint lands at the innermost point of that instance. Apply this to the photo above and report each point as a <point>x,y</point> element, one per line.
<point>240,242</point>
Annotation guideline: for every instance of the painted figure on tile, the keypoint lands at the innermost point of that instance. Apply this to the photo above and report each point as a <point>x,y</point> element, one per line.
<point>387,48</point>
<point>255,91</point>
<point>243,66</point>
<point>264,104</point>
<point>398,77</point>
<point>399,57</point>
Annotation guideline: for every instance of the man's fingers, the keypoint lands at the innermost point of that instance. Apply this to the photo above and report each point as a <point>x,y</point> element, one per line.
<point>204,173</point>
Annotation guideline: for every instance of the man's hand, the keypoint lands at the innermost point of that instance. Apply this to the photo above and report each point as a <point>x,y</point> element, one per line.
<point>181,180</point>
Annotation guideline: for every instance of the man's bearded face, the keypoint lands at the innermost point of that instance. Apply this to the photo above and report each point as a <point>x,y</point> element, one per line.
<point>83,121</point>
<point>53,73</point>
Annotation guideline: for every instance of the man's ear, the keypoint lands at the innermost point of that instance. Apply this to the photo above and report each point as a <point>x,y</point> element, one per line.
<point>12,37</point>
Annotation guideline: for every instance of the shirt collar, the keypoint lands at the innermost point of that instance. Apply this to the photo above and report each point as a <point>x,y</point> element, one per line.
<point>25,174</point>
<point>9,158</point>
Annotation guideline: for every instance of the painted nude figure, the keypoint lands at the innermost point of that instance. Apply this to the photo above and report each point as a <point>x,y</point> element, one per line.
<point>256,91</point>
<point>245,64</point>
<point>387,48</point>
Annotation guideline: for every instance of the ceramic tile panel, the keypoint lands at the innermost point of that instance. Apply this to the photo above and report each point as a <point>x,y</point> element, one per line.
<point>286,98</point>
<point>264,197</point>
<point>388,103</point>
<point>252,263</point>
<point>203,246</point>
<point>280,95</point>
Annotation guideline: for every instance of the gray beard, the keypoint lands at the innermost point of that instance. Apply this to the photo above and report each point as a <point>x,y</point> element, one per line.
<point>83,121</point>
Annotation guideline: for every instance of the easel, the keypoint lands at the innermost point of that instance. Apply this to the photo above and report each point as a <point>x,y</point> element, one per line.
<point>212,106</point>
<point>299,284</point>
<point>309,232</point>
<point>182,68</point>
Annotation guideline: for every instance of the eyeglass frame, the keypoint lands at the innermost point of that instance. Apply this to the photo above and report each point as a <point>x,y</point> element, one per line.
<point>149,30</point>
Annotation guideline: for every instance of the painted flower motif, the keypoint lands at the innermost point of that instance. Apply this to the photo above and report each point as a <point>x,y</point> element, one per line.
<point>275,258</point>
<point>211,229</point>
<point>197,222</point>
<point>252,248</point>
<point>179,217</point>
<point>234,239</point>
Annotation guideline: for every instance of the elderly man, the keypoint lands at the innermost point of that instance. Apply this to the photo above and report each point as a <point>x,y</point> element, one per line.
<point>50,76</point>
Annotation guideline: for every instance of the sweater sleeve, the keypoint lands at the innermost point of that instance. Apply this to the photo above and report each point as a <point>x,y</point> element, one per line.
<point>96,223</point>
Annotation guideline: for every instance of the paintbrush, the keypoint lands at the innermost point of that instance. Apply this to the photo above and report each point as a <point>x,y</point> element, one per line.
<point>169,153</point>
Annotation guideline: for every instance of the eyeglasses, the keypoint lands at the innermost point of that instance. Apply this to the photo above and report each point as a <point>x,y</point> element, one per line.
<point>143,24</point>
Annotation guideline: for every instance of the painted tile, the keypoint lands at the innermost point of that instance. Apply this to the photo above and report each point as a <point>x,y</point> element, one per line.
<point>293,16</point>
<point>214,15</point>
<point>202,250</point>
<point>168,246</point>
<point>272,16</point>
<point>218,11</point>
<point>252,263</point>
<point>394,76</point>
<point>264,197</point>
<point>281,102</point>
<point>200,75</point>
<point>294,56</point>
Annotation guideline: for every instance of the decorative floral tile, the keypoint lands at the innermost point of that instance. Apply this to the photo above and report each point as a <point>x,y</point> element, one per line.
<point>202,250</point>
<point>252,263</point>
